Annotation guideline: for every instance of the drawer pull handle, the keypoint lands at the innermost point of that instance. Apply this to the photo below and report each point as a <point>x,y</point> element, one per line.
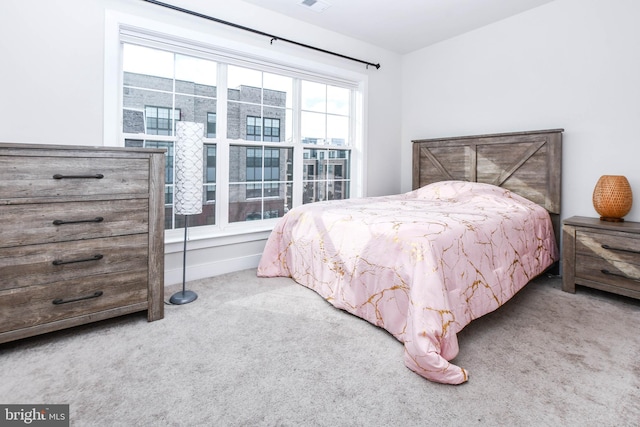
<point>96,176</point>
<point>61,222</point>
<point>611,248</point>
<point>93,258</point>
<point>59,301</point>
<point>609,273</point>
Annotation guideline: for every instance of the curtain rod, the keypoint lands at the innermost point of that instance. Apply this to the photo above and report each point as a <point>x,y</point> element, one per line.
<point>252,30</point>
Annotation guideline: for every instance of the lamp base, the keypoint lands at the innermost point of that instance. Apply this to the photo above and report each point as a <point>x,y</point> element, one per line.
<point>609,219</point>
<point>183,297</point>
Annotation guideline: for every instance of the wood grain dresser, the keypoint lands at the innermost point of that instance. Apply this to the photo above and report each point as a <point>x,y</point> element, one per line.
<point>602,255</point>
<point>81,236</point>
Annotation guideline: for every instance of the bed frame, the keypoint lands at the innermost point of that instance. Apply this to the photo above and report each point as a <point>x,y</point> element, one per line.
<point>527,163</point>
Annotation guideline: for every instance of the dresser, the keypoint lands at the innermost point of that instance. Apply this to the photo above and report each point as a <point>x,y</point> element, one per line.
<point>602,255</point>
<point>81,236</point>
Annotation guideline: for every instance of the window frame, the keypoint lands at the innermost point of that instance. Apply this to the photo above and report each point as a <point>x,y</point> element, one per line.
<point>121,27</point>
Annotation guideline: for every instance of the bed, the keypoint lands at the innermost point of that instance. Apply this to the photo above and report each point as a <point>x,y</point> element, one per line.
<point>481,222</point>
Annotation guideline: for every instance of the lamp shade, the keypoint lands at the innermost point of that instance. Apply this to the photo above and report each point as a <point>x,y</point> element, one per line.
<point>612,197</point>
<point>189,168</point>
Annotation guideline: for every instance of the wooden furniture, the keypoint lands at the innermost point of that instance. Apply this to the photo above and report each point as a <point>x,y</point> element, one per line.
<point>81,237</point>
<point>602,255</point>
<point>527,163</point>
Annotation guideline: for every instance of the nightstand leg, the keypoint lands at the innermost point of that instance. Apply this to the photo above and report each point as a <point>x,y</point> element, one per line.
<point>568,259</point>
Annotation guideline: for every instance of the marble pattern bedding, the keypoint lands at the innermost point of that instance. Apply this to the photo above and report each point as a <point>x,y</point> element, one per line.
<point>421,265</point>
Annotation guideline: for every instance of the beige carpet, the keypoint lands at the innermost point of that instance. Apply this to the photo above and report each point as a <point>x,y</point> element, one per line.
<point>268,352</point>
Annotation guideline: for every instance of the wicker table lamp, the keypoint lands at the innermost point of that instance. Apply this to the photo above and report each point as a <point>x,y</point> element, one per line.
<point>612,197</point>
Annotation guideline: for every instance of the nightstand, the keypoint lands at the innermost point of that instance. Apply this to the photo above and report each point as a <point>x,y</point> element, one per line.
<point>602,255</point>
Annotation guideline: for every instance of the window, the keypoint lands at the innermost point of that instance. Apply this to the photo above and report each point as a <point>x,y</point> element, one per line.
<point>210,170</point>
<point>262,169</point>
<point>285,137</point>
<point>326,175</point>
<point>211,125</point>
<point>254,172</point>
<point>271,129</point>
<point>160,121</point>
<point>254,130</point>
<point>167,87</point>
<point>266,186</point>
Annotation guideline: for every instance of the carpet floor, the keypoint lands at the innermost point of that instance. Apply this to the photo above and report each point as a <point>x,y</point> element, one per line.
<point>269,352</point>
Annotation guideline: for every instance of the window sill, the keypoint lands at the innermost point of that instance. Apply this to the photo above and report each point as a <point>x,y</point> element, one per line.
<point>232,235</point>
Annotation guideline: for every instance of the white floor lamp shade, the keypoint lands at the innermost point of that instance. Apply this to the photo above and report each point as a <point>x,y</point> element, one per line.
<point>188,188</point>
<point>188,163</point>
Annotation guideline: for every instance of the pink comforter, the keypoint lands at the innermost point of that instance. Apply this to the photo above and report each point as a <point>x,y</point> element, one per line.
<point>421,265</point>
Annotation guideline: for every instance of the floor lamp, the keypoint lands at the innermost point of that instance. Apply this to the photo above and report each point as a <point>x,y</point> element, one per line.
<point>188,189</point>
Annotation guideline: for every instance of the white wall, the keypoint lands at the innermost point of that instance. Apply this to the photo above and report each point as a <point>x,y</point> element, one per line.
<point>572,64</point>
<point>52,79</point>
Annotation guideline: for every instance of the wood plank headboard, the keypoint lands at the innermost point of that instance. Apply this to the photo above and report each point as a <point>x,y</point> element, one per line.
<point>527,163</point>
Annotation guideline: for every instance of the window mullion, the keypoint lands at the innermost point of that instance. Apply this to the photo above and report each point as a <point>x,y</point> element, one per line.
<point>262,139</point>
<point>222,143</point>
<point>298,149</point>
<point>357,186</point>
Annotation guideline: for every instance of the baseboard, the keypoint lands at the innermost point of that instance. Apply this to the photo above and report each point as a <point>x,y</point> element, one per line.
<point>214,268</point>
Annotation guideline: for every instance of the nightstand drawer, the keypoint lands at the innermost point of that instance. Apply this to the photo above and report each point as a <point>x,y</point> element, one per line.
<point>59,222</point>
<point>616,273</point>
<point>36,305</point>
<point>610,246</point>
<point>22,266</point>
<point>46,177</point>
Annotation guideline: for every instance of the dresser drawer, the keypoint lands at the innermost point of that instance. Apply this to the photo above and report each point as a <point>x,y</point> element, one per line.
<point>59,222</point>
<point>47,177</point>
<point>615,273</point>
<point>23,266</point>
<point>610,246</point>
<point>36,305</point>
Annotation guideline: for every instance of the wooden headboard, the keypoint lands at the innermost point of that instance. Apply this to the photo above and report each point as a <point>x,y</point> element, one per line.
<point>527,163</point>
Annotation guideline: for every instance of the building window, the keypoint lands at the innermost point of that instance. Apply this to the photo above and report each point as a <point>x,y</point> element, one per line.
<point>211,125</point>
<point>210,173</point>
<point>271,129</point>
<point>263,168</point>
<point>261,162</point>
<point>254,172</point>
<point>161,120</point>
<point>270,126</point>
<point>254,130</point>
<point>326,174</point>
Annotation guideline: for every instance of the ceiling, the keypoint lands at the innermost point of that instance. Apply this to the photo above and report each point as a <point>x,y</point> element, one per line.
<point>401,26</point>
